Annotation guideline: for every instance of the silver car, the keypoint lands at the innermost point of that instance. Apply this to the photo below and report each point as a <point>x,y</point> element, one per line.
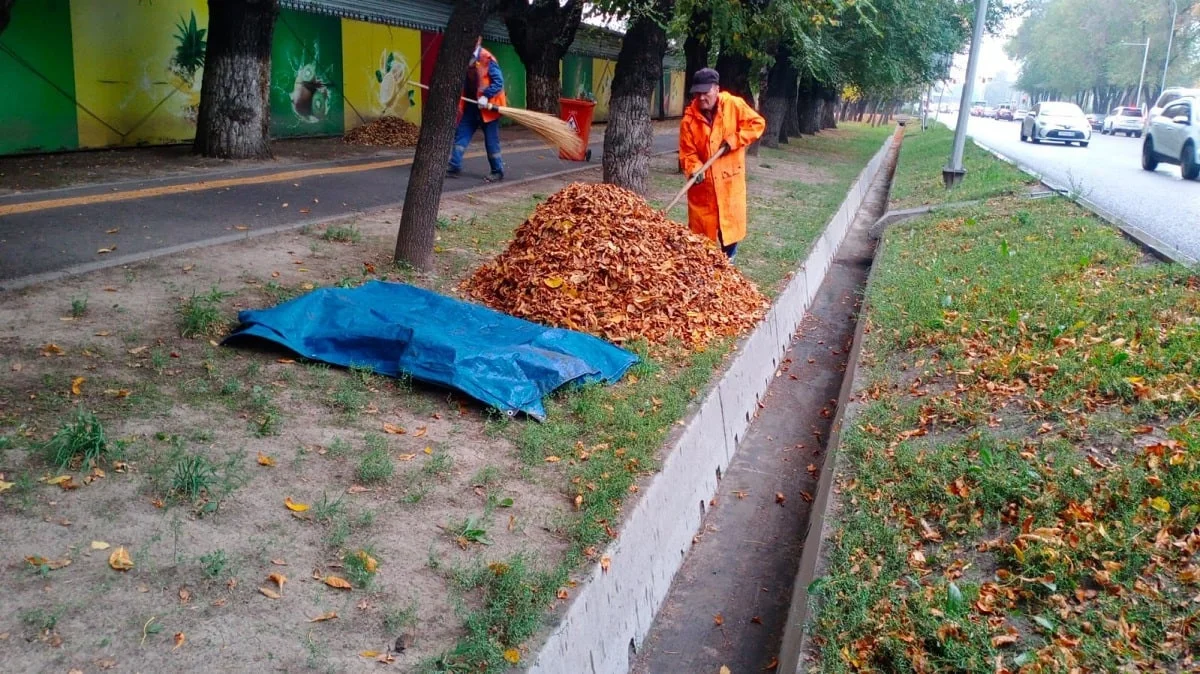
<point>1127,121</point>
<point>1057,121</point>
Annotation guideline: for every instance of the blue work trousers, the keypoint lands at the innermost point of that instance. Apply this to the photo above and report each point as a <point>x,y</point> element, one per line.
<point>467,126</point>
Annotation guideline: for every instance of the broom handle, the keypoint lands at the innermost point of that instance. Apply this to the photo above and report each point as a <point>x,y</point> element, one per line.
<point>692,181</point>
<point>475,102</point>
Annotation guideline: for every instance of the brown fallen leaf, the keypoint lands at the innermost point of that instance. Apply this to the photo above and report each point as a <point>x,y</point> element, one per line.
<point>370,565</point>
<point>293,506</point>
<point>393,429</point>
<point>756,620</point>
<point>369,654</point>
<point>358,488</point>
<point>264,460</point>
<point>718,619</point>
<point>114,230</point>
<point>279,579</point>
<point>105,251</point>
<point>363,605</point>
<point>771,665</point>
<point>119,559</point>
<point>420,432</point>
<point>51,564</point>
<point>279,562</point>
<point>740,494</point>
<point>428,450</point>
<point>117,392</point>
<point>76,384</point>
<point>780,498</point>
<point>184,595</point>
<point>324,616</point>
<point>57,480</point>
<point>406,457</point>
<point>578,501</point>
<point>724,670</point>
<point>52,350</point>
<point>179,639</point>
<point>269,593</point>
<point>1003,640</point>
<point>339,583</point>
<point>808,498</point>
<point>562,593</point>
<point>100,545</point>
<point>605,562</point>
<point>242,228</point>
<point>553,459</point>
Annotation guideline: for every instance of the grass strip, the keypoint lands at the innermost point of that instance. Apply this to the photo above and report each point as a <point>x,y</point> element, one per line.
<point>918,179</point>
<point>1019,484</point>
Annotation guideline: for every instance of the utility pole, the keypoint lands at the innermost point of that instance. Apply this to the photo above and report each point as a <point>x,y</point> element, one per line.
<point>1170,39</point>
<point>1145,55</point>
<point>953,173</point>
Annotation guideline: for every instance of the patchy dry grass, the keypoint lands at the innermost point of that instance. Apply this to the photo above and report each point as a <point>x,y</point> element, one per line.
<point>204,445</point>
<point>1019,480</point>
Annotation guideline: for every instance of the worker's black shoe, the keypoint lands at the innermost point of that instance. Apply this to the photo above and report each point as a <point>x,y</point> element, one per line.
<point>453,173</point>
<point>494,178</point>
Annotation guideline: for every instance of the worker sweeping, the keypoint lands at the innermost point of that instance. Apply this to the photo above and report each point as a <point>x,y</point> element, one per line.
<point>484,84</point>
<point>717,127</point>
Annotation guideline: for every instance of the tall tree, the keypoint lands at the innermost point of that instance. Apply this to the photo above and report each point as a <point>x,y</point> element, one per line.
<point>414,241</point>
<point>541,32</point>
<point>698,43</point>
<point>629,136</point>
<point>780,94</point>
<point>234,120</point>
<point>5,13</point>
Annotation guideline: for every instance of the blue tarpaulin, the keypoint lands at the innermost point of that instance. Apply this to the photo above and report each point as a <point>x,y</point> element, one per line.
<point>395,329</point>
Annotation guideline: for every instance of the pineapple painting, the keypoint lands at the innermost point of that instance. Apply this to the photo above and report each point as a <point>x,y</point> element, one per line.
<point>190,48</point>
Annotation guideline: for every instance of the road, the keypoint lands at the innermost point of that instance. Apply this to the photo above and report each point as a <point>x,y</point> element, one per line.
<point>76,229</point>
<point>1109,173</point>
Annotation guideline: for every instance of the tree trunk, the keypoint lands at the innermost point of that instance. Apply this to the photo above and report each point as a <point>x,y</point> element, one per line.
<point>697,44</point>
<point>414,242</point>
<point>735,75</point>
<point>829,112</point>
<point>791,120</point>
<point>234,119</point>
<point>781,87</point>
<point>810,120</point>
<point>629,136</point>
<point>5,14</point>
<point>541,32</point>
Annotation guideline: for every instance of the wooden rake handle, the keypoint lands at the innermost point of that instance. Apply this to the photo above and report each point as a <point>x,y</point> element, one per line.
<point>692,181</point>
<point>475,102</point>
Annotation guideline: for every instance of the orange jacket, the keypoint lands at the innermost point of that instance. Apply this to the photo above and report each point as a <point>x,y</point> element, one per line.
<point>485,80</point>
<point>719,203</point>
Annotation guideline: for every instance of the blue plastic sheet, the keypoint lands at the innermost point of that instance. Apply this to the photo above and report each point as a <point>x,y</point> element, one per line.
<point>393,329</point>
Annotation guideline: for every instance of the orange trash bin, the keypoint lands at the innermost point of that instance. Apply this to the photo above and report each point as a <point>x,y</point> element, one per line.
<point>577,114</point>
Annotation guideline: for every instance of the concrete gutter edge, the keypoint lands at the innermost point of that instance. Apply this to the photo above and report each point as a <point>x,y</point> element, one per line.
<point>1141,237</point>
<point>605,624</point>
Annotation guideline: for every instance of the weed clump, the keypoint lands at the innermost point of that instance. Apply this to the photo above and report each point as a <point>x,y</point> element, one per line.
<point>82,439</point>
<point>201,316</point>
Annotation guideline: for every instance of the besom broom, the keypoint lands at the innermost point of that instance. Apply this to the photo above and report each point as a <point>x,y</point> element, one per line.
<point>550,128</point>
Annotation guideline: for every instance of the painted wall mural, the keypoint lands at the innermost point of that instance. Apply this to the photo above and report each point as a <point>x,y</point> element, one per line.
<point>380,66</point>
<point>146,91</point>
<point>602,77</point>
<point>306,75</point>
<point>676,96</point>
<point>107,73</point>
<point>38,75</point>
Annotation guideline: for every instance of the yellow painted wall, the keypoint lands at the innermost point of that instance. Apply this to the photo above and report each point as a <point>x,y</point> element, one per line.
<point>602,77</point>
<point>125,73</point>
<point>372,90</point>
<point>676,96</point>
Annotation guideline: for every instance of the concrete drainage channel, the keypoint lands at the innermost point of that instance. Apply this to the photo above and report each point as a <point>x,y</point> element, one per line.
<point>745,529</point>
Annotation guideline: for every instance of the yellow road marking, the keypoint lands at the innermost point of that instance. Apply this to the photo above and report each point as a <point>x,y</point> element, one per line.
<point>203,185</point>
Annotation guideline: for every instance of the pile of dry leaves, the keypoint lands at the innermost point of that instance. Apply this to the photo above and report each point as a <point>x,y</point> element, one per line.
<point>385,131</point>
<point>599,259</point>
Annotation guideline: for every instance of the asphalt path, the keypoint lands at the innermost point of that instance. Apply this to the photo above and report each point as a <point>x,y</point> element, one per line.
<point>1108,173</point>
<point>69,238</point>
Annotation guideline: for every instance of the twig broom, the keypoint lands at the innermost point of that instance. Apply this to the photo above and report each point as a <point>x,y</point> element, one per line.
<point>550,128</point>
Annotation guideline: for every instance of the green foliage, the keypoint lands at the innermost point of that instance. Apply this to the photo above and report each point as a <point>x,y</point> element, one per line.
<point>361,566</point>
<point>342,234</point>
<point>193,477</point>
<point>190,48</point>
<point>375,467</point>
<point>79,306</point>
<point>214,564</point>
<point>81,439</point>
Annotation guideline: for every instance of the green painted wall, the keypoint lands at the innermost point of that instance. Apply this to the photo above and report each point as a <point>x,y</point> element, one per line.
<point>38,110</point>
<point>306,75</point>
<point>513,69</point>
<point>576,75</point>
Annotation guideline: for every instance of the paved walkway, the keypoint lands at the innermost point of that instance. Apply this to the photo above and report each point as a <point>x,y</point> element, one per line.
<point>78,228</point>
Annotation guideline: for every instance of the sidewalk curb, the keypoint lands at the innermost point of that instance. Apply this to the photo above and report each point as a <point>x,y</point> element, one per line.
<point>608,620</point>
<point>34,279</point>
<point>1141,237</point>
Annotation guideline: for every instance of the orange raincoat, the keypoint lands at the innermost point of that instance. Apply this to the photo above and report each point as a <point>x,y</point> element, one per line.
<point>481,72</point>
<point>717,206</point>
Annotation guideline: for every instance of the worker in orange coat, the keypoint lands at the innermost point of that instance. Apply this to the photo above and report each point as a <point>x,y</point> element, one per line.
<point>717,200</point>
<point>484,84</point>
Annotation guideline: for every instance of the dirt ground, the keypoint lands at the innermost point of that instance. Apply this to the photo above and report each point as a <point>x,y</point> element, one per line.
<point>184,489</point>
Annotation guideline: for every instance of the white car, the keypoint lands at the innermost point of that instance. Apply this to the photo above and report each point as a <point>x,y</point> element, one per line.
<point>1126,121</point>
<point>1057,121</point>
<point>1174,138</point>
<point>1165,98</point>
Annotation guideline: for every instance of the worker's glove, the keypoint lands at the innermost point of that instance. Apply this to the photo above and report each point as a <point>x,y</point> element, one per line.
<point>699,179</point>
<point>483,103</point>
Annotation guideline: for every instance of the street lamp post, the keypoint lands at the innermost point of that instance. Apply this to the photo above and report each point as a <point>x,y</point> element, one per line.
<point>1145,55</point>
<point>953,173</point>
<point>1170,39</point>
